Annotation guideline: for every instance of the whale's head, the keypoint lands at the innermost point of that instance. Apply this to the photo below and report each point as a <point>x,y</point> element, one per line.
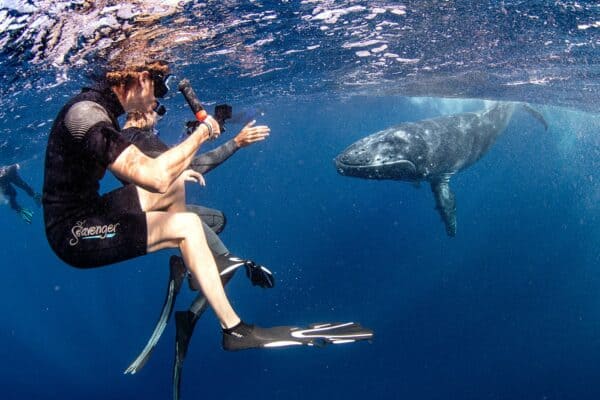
<point>389,154</point>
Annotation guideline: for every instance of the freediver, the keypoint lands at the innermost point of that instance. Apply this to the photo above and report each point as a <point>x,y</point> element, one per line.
<point>9,176</point>
<point>139,129</point>
<point>86,229</point>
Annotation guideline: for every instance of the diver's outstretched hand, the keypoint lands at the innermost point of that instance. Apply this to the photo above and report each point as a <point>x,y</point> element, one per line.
<point>251,134</point>
<point>25,214</point>
<point>189,175</point>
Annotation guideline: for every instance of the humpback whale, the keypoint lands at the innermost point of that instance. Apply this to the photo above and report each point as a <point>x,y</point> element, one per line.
<point>431,150</point>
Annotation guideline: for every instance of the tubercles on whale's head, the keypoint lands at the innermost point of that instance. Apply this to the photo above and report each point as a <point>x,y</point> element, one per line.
<point>377,159</point>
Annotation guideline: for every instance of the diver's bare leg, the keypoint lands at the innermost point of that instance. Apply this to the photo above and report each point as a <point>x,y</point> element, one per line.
<point>184,230</point>
<point>173,200</point>
<point>170,228</point>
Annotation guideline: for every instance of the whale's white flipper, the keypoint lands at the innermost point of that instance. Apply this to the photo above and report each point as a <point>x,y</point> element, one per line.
<point>445,202</point>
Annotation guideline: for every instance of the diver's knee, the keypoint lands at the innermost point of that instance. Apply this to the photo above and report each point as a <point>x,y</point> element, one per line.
<point>191,224</point>
<point>178,186</point>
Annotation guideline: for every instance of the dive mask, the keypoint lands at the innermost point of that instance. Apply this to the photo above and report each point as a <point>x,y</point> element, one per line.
<point>161,84</point>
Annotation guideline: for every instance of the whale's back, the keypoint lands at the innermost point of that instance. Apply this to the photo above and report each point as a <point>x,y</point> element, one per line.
<point>457,141</point>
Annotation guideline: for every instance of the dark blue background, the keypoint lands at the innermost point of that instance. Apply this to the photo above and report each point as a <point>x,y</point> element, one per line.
<point>509,309</point>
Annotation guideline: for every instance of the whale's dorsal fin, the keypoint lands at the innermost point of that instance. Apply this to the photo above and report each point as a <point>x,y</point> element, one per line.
<point>445,202</point>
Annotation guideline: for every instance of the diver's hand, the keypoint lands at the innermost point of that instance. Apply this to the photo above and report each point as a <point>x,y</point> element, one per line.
<point>25,214</point>
<point>259,275</point>
<point>189,175</point>
<point>215,129</point>
<point>37,198</point>
<point>251,134</point>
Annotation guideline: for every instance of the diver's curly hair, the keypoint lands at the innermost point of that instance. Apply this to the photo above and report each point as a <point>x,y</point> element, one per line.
<point>129,73</point>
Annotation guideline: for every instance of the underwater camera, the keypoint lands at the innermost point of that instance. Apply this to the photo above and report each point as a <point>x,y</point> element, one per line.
<point>222,113</point>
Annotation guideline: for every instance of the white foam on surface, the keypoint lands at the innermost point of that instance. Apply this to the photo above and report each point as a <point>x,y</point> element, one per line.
<point>379,49</point>
<point>588,26</point>
<point>364,43</point>
<point>408,60</point>
<point>332,16</point>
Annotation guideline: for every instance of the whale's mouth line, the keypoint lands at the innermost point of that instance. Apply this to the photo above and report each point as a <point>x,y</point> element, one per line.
<point>363,166</point>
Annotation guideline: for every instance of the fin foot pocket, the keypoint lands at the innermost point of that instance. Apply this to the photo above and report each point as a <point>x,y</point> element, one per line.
<point>251,336</point>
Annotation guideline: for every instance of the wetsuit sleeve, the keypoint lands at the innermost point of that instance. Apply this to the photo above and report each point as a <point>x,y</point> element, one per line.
<point>208,161</point>
<point>89,124</point>
<point>146,141</point>
<point>104,143</point>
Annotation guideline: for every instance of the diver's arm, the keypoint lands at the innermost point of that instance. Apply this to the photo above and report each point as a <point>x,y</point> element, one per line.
<point>92,129</point>
<point>157,174</point>
<point>248,135</point>
<point>210,160</point>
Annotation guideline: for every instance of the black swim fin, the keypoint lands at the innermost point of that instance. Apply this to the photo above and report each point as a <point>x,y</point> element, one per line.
<point>176,276</point>
<point>185,321</point>
<point>228,264</point>
<point>250,336</point>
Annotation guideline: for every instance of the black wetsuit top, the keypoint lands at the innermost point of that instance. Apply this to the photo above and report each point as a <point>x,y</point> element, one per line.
<point>75,164</point>
<point>9,176</point>
<point>152,146</point>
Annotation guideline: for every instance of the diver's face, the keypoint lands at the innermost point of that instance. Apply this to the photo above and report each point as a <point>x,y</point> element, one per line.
<point>148,100</point>
<point>139,96</point>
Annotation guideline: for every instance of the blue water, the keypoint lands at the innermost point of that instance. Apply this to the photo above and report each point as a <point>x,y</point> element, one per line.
<point>509,309</point>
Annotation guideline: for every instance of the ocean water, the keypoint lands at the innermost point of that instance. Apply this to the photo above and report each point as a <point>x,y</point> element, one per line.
<point>509,309</point>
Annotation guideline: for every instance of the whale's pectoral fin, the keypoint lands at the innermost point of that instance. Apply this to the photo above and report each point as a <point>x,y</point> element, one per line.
<point>445,203</point>
<point>536,114</point>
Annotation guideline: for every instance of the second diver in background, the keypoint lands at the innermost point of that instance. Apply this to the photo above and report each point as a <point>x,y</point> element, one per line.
<point>9,177</point>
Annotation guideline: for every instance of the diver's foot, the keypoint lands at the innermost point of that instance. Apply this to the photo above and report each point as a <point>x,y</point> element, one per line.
<point>244,336</point>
